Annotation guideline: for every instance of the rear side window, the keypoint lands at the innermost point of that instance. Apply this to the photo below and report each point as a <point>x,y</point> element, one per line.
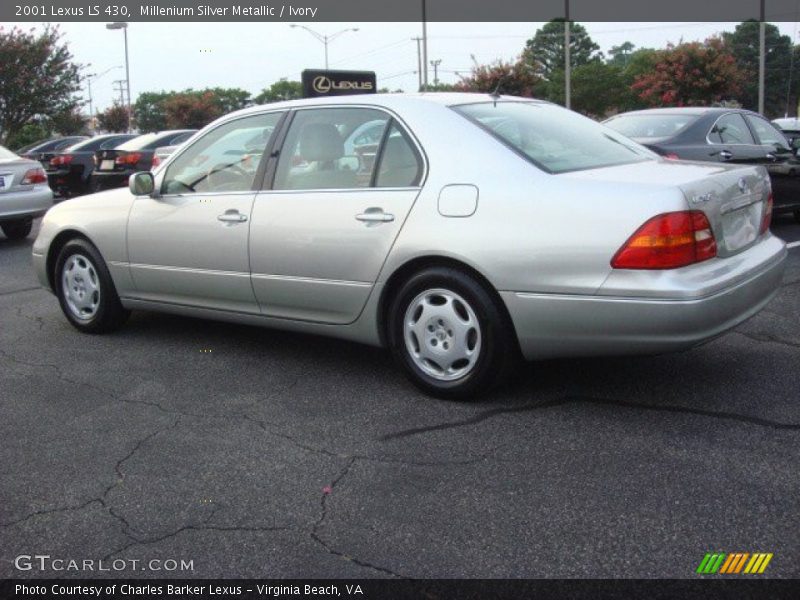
<point>554,139</point>
<point>400,165</point>
<point>730,129</point>
<point>766,132</point>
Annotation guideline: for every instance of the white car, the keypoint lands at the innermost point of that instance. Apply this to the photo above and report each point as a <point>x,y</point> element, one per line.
<point>24,194</point>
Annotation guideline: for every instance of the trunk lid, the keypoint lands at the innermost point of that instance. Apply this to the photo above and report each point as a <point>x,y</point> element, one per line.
<point>733,197</point>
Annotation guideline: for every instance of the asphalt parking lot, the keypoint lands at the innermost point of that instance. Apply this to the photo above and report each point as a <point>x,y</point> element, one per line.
<point>256,453</point>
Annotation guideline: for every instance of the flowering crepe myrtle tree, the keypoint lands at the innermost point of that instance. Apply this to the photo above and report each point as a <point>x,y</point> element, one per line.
<point>38,78</point>
<point>515,79</point>
<point>693,73</point>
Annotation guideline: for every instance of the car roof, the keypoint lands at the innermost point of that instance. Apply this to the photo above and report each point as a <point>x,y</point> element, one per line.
<point>685,110</point>
<point>388,100</point>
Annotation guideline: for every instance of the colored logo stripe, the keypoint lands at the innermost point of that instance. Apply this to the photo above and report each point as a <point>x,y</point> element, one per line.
<point>733,563</point>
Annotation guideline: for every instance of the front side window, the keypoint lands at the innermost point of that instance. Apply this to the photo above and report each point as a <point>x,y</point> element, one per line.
<point>330,148</point>
<point>767,134</point>
<point>223,160</point>
<point>730,129</point>
<point>554,139</point>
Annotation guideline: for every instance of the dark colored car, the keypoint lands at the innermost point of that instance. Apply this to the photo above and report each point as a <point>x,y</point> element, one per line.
<point>113,167</point>
<point>69,171</point>
<point>44,150</point>
<point>724,135</point>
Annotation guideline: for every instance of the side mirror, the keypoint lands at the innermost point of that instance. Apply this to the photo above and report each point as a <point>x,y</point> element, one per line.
<point>141,183</point>
<point>795,143</point>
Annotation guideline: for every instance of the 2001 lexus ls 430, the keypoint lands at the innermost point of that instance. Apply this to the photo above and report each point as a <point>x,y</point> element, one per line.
<point>460,230</point>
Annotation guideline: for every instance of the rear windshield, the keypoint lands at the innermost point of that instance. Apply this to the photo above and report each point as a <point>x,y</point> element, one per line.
<point>150,141</point>
<point>650,126</point>
<point>96,143</point>
<point>554,139</point>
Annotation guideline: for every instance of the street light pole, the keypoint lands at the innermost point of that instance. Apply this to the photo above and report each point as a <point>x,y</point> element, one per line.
<point>761,59</point>
<point>325,39</point>
<point>124,26</point>
<point>567,59</point>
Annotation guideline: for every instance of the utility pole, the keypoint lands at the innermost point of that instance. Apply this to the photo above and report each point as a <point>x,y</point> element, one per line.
<point>89,83</point>
<point>419,62</point>
<point>435,64</point>
<point>761,58</point>
<point>121,89</point>
<point>424,45</point>
<point>567,61</point>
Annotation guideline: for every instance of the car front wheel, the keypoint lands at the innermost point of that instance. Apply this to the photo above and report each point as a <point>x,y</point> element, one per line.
<point>85,289</point>
<point>16,230</point>
<point>450,335</point>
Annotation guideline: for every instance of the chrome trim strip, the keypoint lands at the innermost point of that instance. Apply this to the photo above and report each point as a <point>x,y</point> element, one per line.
<point>185,270</point>
<point>312,280</point>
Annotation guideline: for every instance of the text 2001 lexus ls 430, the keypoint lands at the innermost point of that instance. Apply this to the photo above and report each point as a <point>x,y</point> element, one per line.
<point>462,231</point>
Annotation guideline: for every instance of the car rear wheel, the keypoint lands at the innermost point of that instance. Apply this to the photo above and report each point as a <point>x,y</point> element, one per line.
<point>16,230</point>
<point>450,335</point>
<point>85,289</point>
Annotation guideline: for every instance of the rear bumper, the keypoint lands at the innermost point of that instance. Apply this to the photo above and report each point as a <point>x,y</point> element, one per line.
<point>25,204</point>
<point>552,325</point>
<point>105,180</point>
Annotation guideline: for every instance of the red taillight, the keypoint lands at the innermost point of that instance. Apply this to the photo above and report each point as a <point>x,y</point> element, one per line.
<point>61,160</point>
<point>672,156</point>
<point>128,159</point>
<point>34,176</point>
<point>766,219</point>
<point>668,241</point>
<point>156,161</point>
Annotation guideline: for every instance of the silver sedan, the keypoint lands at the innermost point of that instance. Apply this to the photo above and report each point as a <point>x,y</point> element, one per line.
<point>24,194</point>
<point>473,231</point>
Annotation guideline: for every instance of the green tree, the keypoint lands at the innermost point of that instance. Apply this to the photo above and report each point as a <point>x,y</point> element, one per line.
<point>230,99</point>
<point>694,73</point>
<point>545,50</point>
<point>282,89</point>
<point>38,78</point>
<point>149,111</point>
<point>114,119</point>
<point>621,55</point>
<point>598,88</point>
<point>516,79</point>
<point>68,122</point>
<point>743,42</point>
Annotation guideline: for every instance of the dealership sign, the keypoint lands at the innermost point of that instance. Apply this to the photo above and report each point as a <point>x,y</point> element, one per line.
<point>318,83</point>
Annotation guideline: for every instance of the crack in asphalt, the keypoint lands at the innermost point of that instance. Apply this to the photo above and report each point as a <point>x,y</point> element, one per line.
<point>50,511</point>
<point>766,338</point>
<point>488,414</point>
<point>315,535</point>
<point>21,290</point>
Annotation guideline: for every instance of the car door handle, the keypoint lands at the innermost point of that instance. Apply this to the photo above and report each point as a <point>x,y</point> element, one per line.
<point>372,215</point>
<point>232,216</point>
<point>725,155</point>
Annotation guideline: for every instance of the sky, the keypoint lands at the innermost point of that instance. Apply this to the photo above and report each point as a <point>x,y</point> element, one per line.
<point>176,56</point>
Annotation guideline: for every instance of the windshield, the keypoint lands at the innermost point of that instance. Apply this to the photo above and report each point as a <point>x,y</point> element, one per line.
<point>554,139</point>
<point>650,126</point>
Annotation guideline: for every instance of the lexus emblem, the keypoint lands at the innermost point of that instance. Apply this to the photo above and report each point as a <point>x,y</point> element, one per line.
<point>322,84</point>
<point>742,185</point>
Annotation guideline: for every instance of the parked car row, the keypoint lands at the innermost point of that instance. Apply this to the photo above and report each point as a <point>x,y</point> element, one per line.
<point>77,165</point>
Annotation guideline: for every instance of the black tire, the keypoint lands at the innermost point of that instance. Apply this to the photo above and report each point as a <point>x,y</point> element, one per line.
<point>17,230</point>
<point>797,216</point>
<point>496,354</point>
<point>108,314</point>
